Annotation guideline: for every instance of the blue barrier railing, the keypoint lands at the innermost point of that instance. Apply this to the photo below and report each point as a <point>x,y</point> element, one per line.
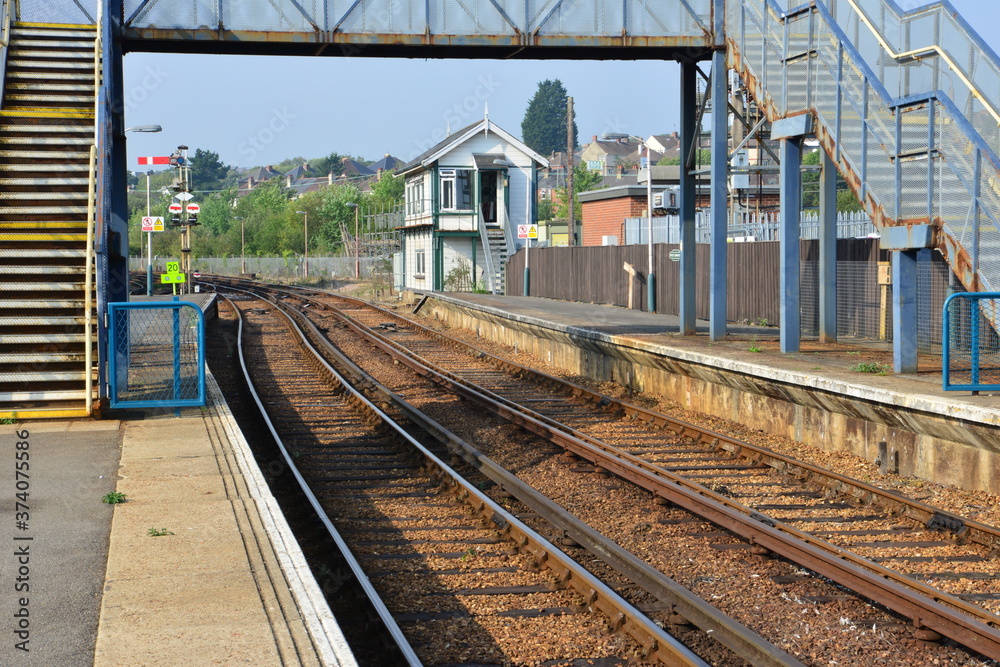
<point>156,355</point>
<point>971,344</point>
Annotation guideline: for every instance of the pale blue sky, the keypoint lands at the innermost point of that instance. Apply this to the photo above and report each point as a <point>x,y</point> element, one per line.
<point>261,110</point>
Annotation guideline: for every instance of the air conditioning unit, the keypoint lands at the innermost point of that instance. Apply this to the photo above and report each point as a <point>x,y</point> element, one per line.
<point>667,200</point>
<point>609,240</point>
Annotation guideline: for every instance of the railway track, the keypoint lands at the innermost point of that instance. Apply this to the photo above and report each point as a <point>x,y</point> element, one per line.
<point>825,522</point>
<point>461,585</point>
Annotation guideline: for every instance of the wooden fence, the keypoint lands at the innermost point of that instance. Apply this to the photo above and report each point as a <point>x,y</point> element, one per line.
<point>596,274</point>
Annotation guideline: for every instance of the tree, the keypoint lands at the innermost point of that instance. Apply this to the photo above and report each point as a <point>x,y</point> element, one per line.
<point>584,180</point>
<point>208,173</point>
<point>545,210</point>
<point>388,191</point>
<point>846,201</point>
<point>544,126</point>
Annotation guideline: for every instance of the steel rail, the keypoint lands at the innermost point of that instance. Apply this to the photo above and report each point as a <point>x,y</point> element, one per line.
<point>963,527</point>
<point>381,610</point>
<point>727,631</point>
<point>925,606</point>
<point>655,642</point>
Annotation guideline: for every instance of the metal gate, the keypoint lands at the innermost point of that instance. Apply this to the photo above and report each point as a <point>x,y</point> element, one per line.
<point>971,354</point>
<point>157,355</point>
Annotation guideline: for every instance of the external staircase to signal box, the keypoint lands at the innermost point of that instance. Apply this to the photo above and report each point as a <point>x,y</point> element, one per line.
<point>46,138</point>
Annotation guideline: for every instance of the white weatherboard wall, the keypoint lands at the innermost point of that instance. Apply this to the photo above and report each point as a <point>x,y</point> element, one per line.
<point>416,241</point>
<point>520,175</point>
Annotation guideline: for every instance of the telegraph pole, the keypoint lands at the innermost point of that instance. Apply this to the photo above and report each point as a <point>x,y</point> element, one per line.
<point>570,199</point>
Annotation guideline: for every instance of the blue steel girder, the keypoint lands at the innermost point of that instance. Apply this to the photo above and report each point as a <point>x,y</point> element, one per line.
<point>387,27</point>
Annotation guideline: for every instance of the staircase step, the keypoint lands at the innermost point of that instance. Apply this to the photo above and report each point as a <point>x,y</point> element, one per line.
<point>24,99</point>
<point>42,357</point>
<point>10,126</point>
<point>46,112</point>
<point>42,253</point>
<point>79,44</point>
<point>40,287</point>
<point>29,28</point>
<point>53,77</point>
<point>31,339</point>
<point>79,156</point>
<point>43,181</point>
<point>10,236</point>
<point>19,398</point>
<point>29,65</point>
<point>33,225</point>
<point>42,321</point>
<point>75,168</point>
<point>47,141</point>
<point>36,269</point>
<point>10,304</point>
<point>21,50</point>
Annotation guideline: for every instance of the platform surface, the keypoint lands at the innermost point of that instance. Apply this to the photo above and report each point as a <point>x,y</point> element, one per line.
<point>223,584</point>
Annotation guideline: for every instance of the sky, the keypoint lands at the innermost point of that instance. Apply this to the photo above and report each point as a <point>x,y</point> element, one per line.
<point>259,110</point>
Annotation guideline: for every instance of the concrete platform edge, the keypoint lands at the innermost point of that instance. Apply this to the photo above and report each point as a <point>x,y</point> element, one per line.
<point>327,637</point>
<point>921,402</point>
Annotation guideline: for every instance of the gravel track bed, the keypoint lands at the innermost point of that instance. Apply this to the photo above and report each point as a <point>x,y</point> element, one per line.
<point>422,551</point>
<point>814,620</point>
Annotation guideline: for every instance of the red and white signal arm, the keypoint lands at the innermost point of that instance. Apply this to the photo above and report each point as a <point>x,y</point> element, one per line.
<point>175,208</point>
<point>193,208</point>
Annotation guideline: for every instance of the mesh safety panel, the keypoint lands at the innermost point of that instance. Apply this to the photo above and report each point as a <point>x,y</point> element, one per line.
<point>157,354</point>
<point>971,342</point>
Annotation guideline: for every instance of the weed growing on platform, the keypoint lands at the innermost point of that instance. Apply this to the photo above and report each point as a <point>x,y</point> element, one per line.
<point>6,421</point>
<point>158,532</point>
<point>114,498</point>
<point>762,321</point>
<point>873,367</point>
<point>753,345</point>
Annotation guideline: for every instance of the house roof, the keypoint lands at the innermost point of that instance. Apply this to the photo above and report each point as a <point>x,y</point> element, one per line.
<point>262,173</point>
<point>387,163</point>
<point>618,148</point>
<point>429,156</point>
<point>354,168</point>
<point>300,171</point>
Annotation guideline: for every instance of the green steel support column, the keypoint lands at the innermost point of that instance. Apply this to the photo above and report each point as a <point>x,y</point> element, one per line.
<point>791,212</point>
<point>904,311</point>
<point>688,115</point>
<point>827,250</point>
<point>720,199</point>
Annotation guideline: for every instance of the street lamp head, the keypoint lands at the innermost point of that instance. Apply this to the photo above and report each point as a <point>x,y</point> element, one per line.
<point>352,204</point>
<point>301,212</point>
<point>144,128</point>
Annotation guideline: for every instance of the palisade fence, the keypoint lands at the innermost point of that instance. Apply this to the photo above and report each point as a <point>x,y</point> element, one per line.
<point>276,267</point>
<point>763,226</point>
<point>595,274</point>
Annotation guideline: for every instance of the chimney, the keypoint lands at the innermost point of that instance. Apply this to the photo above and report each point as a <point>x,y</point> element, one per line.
<point>329,177</point>
<point>593,137</point>
<point>288,181</point>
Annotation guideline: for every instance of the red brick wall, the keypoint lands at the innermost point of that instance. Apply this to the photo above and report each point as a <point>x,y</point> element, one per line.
<point>607,218</point>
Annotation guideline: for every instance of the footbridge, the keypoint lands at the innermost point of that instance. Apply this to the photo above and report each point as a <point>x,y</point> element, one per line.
<point>906,105</point>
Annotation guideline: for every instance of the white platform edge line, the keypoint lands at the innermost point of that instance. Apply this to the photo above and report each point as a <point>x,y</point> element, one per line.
<point>322,625</point>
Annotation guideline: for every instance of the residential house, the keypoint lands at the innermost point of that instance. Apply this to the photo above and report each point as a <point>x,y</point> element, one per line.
<point>464,201</point>
<point>608,155</point>
<point>667,145</point>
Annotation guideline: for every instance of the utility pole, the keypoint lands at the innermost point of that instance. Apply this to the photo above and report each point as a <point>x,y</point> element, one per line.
<point>570,198</point>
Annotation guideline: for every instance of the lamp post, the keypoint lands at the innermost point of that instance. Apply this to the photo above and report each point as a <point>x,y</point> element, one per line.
<point>305,251</point>
<point>243,245</point>
<point>357,243</point>
<point>149,235</point>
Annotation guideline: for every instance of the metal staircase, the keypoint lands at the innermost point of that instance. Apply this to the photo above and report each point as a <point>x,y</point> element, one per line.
<point>905,103</point>
<point>496,263</point>
<point>47,365</point>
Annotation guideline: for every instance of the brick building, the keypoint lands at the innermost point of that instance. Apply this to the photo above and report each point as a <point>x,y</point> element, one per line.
<point>604,213</point>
